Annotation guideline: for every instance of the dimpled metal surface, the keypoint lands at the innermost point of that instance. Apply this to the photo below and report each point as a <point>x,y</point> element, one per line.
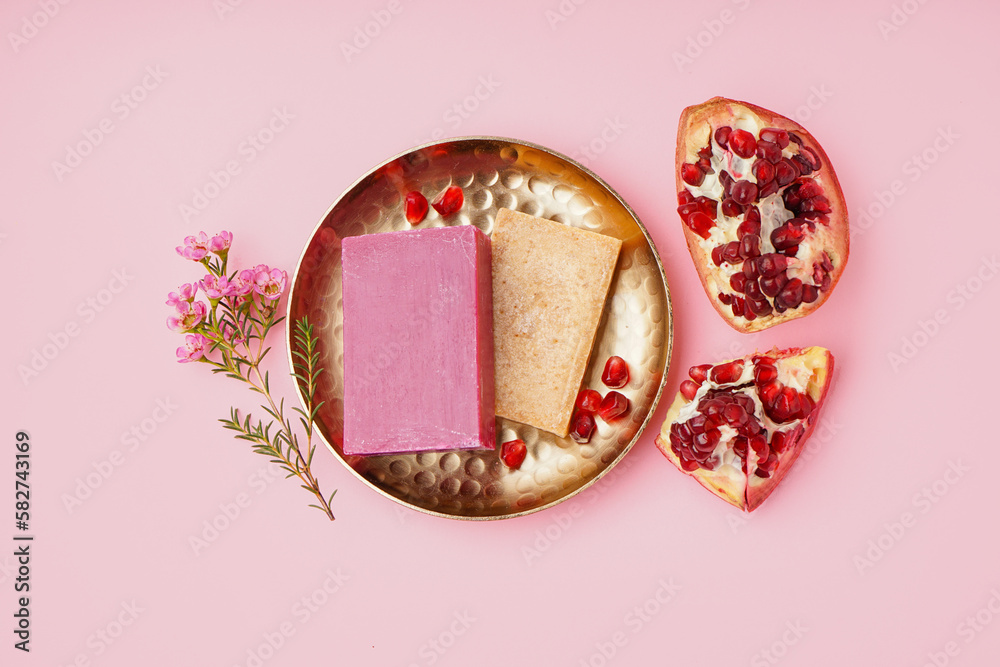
<point>637,324</point>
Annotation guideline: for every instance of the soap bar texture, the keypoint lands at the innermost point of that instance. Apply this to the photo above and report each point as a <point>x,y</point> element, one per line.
<point>550,282</point>
<point>418,341</point>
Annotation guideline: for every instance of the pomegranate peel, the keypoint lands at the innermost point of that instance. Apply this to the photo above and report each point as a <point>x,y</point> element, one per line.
<point>739,438</point>
<point>768,180</point>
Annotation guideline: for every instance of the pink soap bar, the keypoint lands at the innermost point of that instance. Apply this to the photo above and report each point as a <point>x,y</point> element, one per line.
<point>418,341</point>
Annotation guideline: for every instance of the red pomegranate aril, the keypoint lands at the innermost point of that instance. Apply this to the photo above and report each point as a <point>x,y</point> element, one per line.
<point>737,306</point>
<point>415,207</point>
<point>722,136</point>
<point>770,188</point>
<point>699,373</point>
<point>816,217</point>
<point>763,172</point>
<point>731,252</point>
<point>615,373</point>
<point>750,269</point>
<point>771,286</point>
<point>802,164</point>
<point>750,246</point>
<point>759,306</point>
<point>730,208</point>
<point>692,175</point>
<point>748,313</point>
<point>705,152</point>
<point>513,452</point>
<point>737,281</point>
<point>778,441</point>
<point>448,201</point>
<point>764,374</point>
<point>791,197</point>
<point>684,197</point>
<point>707,205</point>
<point>588,400</point>
<point>768,392</point>
<point>735,415</point>
<point>775,135</point>
<point>809,188</point>
<point>726,373</point>
<point>787,235</point>
<point>705,164</point>
<point>818,203</point>
<point>717,254</point>
<point>752,290</point>
<point>744,192</point>
<point>809,293</point>
<point>700,224</point>
<point>768,151</point>
<point>582,427</point>
<point>791,294</point>
<point>810,157</point>
<point>742,143</point>
<point>613,406</point>
<point>725,299</point>
<point>689,388</point>
<point>785,406</point>
<point>785,172</point>
<point>685,210</point>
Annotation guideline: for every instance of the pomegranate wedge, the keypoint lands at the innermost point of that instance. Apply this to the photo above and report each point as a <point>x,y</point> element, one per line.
<point>764,217</point>
<point>746,422</point>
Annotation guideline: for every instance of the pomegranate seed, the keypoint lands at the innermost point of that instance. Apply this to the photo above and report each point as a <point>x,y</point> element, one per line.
<point>731,252</point>
<point>778,441</point>
<point>750,246</point>
<point>722,136</point>
<point>768,189</point>
<point>615,373</point>
<point>737,281</point>
<point>744,192</point>
<point>771,265</point>
<point>415,207</point>
<point>769,392</point>
<point>735,415</point>
<point>717,254</point>
<point>684,197</point>
<point>699,373</point>
<point>748,313</point>
<point>810,157</point>
<point>588,401</point>
<point>788,235</point>
<point>613,406</point>
<point>705,152</point>
<point>582,427</point>
<point>730,208</point>
<point>737,306</point>
<point>802,164</point>
<point>752,290</point>
<point>448,201</point>
<point>809,293</point>
<point>750,269</point>
<point>809,188</point>
<point>707,206</point>
<point>785,172</point>
<point>748,226</point>
<point>705,164</point>
<point>764,374</point>
<point>725,299</point>
<point>791,294</point>
<point>689,465</point>
<point>817,203</point>
<point>786,405</point>
<point>689,388</point>
<point>691,174</point>
<point>513,452</point>
<point>795,138</point>
<point>775,135</point>
<point>728,372</point>
<point>685,210</point>
<point>742,143</point>
<point>816,217</point>
<point>771,286</point>
<point>791,197</point>
<point>759,306</point>
<point>763,172</point>
<point>768,151</point>
<point>700,224</point>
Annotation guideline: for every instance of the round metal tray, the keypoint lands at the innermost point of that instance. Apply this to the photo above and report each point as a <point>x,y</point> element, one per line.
<point>637,324</point>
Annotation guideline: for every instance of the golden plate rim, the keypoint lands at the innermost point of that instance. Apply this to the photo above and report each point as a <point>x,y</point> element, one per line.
<point>659,265</point>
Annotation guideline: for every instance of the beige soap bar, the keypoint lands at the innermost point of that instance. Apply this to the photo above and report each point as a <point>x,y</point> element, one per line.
<point>550,282</point>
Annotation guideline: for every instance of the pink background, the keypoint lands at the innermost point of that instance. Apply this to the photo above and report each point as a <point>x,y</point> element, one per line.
<point>848,563</point>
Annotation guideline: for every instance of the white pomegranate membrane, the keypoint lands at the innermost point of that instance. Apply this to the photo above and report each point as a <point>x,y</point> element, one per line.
<point>752,197</point>
<point>744,414</point>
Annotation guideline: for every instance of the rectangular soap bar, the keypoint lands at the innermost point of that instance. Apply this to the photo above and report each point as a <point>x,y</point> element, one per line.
<point>418,341</point>
<point>550,282</point>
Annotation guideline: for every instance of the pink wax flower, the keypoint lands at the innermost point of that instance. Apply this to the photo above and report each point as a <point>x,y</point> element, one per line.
<point>269,283</point>
<point>242,283</point>
<point>184,294</point>
<point>195,247</point>
<point>231,334</point>
<point>193,348</point>
<point>188,316</point>
<point>216,287</point>
<point>219,244</point>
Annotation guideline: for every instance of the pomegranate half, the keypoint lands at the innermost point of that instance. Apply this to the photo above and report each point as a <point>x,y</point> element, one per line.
<point>764,216</point>
<point>737,427</point>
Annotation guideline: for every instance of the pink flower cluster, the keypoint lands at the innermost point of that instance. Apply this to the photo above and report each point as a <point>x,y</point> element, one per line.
<point>196,248</point>
<point>196,318</point>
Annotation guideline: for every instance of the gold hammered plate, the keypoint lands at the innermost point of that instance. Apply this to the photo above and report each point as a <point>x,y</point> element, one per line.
<point>637,325</point>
